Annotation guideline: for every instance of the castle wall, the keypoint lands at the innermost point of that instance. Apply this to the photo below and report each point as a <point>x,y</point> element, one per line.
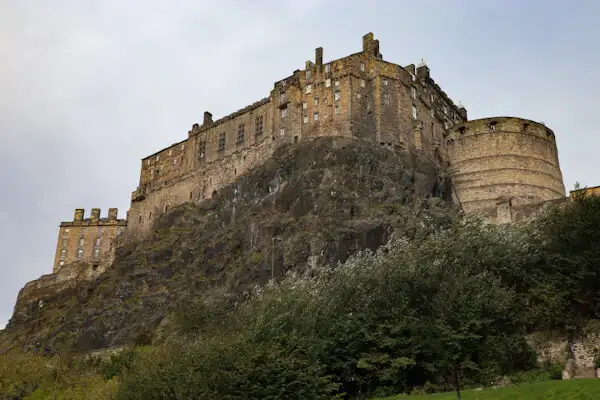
<point>88,240</point>
<point>500,158</point>
<point>359,95</point>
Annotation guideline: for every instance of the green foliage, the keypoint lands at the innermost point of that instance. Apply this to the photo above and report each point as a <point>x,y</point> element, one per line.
<point>118,363</point>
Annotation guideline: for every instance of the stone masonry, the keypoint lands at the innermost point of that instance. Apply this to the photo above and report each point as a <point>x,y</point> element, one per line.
<point>499,166</point>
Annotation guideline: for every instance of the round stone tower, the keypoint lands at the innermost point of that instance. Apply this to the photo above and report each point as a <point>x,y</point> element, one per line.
<point>503,160</point>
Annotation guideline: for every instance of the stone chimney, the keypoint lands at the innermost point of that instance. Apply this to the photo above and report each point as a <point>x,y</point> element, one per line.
<point>207,119</point>
<point>112,214</point>
<point>78,217</point>
<point>319,56</point>
<point>95,216</point>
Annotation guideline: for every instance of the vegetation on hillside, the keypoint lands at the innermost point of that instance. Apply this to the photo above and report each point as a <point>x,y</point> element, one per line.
<point>412,316</point>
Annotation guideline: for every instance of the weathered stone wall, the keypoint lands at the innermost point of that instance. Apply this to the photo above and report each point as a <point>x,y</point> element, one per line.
<point>359,95</point>
<point>88,240</point>
<point>496,158</point>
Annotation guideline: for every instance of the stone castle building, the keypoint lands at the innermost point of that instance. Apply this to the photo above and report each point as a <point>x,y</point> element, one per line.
<point>499,166</point>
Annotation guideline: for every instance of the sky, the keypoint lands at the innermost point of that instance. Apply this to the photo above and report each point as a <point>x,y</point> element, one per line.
<point>87,89</point>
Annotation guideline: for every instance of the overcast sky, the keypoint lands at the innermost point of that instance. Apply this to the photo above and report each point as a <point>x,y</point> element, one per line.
<point>88,88</point>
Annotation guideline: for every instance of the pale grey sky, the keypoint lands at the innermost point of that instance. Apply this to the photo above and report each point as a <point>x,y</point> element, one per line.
<point>87,89</point>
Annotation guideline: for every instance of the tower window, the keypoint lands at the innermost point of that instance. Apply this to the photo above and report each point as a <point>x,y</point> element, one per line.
<point>327,82</point>
<point>308,89</point>
<point>308,74</point>
<point>328,68</point>
<point>283,112</point>
<point>305,119</point>
<point>259,126</point>
<point>316,101</point>
<point>362,83</point>
<point>316,116</point>
<point>414,112</point>
<point>222,141</point>
<point>304,105</point>
<point>362,67</point>
<point>493,125</point>
<point>240,136</point>
<point>336,96</point>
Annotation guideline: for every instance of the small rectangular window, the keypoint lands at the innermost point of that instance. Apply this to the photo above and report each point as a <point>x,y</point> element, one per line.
<point>305,119</point>
<point>386,98</point>
<point>304,105</point>
<point>281,131</point>
<point>327,68</point>
<point>336,95</point>
<point>325,101</point>
<point>362,67</point>
<point>414,112</point>
<point>148,162</point>
<point>385,82</point>
<point>316,101</point>
<point>295,139</point>
<point>182,147</point>
<point>337,109</point>
<point>259,127</point>
<point>222,141</point>
<point>362,83</point>
<point>283,112</point>
<point>308,74</point>
<point>308,89</point>
<point>241,133</point>
<point>327,82</point>
<point>157,157</point>
<point>316,116</point>
<point>336,83</point>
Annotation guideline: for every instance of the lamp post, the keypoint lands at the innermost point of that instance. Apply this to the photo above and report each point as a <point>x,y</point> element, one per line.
<point>273,255</point>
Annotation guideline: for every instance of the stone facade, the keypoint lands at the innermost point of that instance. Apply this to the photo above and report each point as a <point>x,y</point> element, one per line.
<point>500,167</point>
<point>496,159</point>
<point>88,241</point>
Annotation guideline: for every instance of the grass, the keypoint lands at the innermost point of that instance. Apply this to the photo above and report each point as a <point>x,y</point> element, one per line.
<point>579,389</point>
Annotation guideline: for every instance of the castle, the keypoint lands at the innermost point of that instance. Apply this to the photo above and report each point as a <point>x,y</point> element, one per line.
<point>502,167</point>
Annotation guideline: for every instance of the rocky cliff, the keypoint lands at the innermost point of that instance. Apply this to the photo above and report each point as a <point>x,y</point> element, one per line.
<point>312,204</point>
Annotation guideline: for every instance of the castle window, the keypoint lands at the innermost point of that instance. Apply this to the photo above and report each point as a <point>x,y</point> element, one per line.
<point>140,219</point>
<point>308,74</point>
<point>259,127</point>
<point>308,89</point>
<point>240,135</point>
<point>96,253</point>
<point>157,157</point>
<point>461,130</point>
<point>283,112</point>
<point>182,147</point>
<point>327,82</point>
<point>336,83</point>
<point>316,101</point>
<point>304,105</point>
<point>414,111</point>
<point>336,110</point>
<point>385,82</point>
<point>79,253</point>
<point>362,83</point>
<point>358,95</point>
<point>295,139</point>
<point>305,119</point>
<point>327,68</point>
<point>222,141</point>
<point>81,241</point>
<point>316,116</point>
<point>150,215</point>
<point>63,254</point>
<point>386,98</point>
<point>98,241</point>
<point>336,96</point>
<point>202,147</point>
<point>493,125</point>
<point>191,195</point>
<point>64,242</point>
<point>174,161</point>
<point>61,263</point>
<point>362,67</point>
<point>166,207</point>
<point>325,101</point>
<point>282,132</point>
<point>413,92</point>
<point>148,162</point>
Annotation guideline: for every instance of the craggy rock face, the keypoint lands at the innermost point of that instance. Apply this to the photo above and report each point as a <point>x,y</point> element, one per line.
<point>312,204</point>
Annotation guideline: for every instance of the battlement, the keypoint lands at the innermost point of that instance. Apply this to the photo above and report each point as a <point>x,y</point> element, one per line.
<point>94,219</point>
<point>501,124</point>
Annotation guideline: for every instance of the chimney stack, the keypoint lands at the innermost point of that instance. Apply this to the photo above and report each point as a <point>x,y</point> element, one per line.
<point>112,214</point>
<point>78,215</point>
<point>319,56</point>
<point>207,118</point>
<point>95,216</point>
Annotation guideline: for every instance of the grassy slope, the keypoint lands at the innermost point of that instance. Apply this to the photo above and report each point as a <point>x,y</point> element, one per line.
<point>581,389</point>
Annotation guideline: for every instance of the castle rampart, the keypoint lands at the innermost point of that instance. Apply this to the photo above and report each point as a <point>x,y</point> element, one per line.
<point>495,159</point>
